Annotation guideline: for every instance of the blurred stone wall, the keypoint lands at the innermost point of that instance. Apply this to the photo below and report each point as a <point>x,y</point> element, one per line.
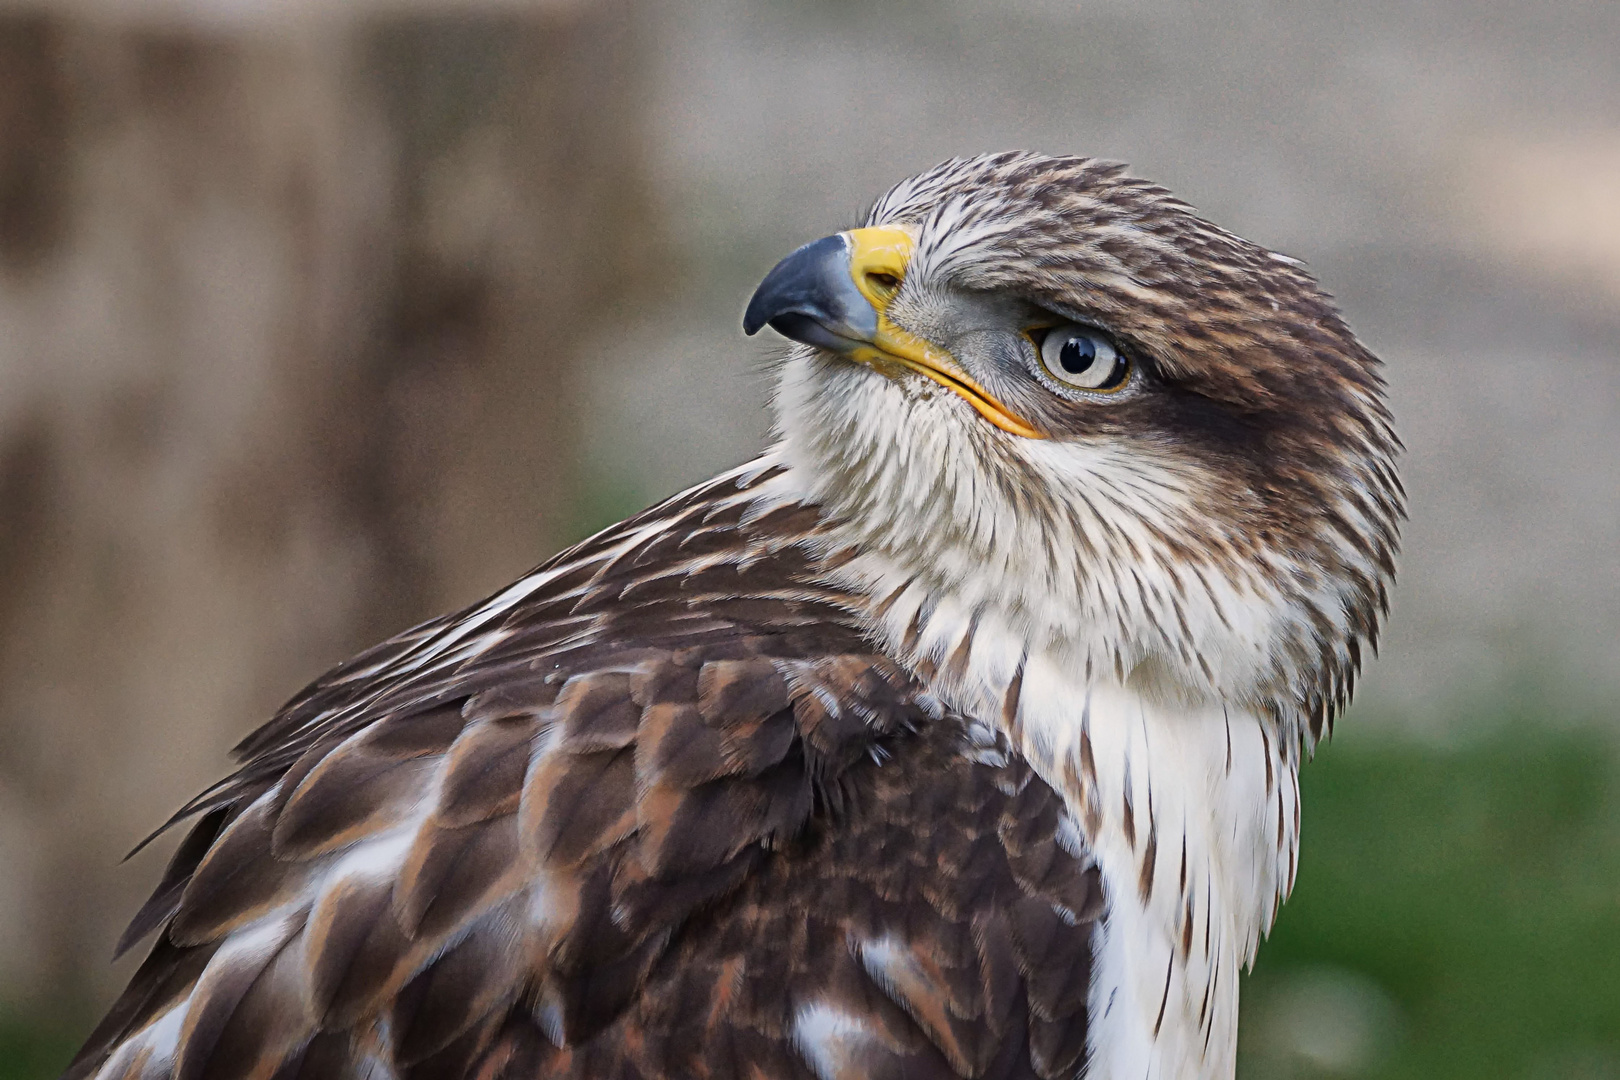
<point>288,315</point>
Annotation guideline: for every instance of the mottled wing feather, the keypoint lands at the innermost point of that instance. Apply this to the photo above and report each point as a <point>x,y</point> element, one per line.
<point>658,810</point>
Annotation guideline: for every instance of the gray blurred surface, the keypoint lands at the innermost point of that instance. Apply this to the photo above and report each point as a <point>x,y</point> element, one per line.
<point>289,321</point>
<point>1451,170</point>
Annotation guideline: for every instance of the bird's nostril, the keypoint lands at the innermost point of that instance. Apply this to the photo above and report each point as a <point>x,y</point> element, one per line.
<point>882,286</point>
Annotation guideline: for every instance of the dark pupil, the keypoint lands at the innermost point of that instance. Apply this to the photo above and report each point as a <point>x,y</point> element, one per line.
<point>1077,354</point>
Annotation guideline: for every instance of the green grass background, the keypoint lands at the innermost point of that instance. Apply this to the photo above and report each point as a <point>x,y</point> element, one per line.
<point>1469,894</point>
<point>1477,887</point>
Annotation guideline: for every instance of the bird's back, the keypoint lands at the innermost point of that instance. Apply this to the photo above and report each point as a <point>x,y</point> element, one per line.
<point>659,809</point>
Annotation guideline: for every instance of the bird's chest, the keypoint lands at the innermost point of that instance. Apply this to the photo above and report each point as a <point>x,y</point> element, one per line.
<point>1188,803</point>
<point>1191,813</point>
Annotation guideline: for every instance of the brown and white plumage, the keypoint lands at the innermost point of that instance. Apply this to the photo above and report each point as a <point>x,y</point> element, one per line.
<point>955,736</point>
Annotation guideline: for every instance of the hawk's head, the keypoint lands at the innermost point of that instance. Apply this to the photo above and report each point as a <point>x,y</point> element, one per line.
<point>1049,388</point>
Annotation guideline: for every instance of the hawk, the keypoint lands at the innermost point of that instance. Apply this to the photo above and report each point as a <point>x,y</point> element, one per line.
<point>955,735</point>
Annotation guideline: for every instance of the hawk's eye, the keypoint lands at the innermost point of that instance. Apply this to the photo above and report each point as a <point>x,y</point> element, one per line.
<point>1081,357</point>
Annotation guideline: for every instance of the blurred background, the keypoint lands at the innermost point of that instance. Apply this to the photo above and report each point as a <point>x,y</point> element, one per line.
<point>321,317</point>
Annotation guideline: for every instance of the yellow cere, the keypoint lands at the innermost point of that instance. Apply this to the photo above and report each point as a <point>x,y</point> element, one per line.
<point>875,254</point>
<point>878,258</point>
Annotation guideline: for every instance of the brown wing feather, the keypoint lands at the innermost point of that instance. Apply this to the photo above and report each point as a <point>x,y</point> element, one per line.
<point>660,810</point>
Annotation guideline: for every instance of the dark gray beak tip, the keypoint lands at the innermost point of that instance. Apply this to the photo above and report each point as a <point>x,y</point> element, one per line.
<point>755,318</point>
<point>800,285</point>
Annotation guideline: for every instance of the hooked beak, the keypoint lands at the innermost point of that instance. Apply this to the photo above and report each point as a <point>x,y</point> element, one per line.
<point>834,294</point>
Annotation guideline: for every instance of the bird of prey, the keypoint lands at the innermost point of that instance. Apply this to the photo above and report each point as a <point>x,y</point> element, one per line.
<point>955,735</point>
